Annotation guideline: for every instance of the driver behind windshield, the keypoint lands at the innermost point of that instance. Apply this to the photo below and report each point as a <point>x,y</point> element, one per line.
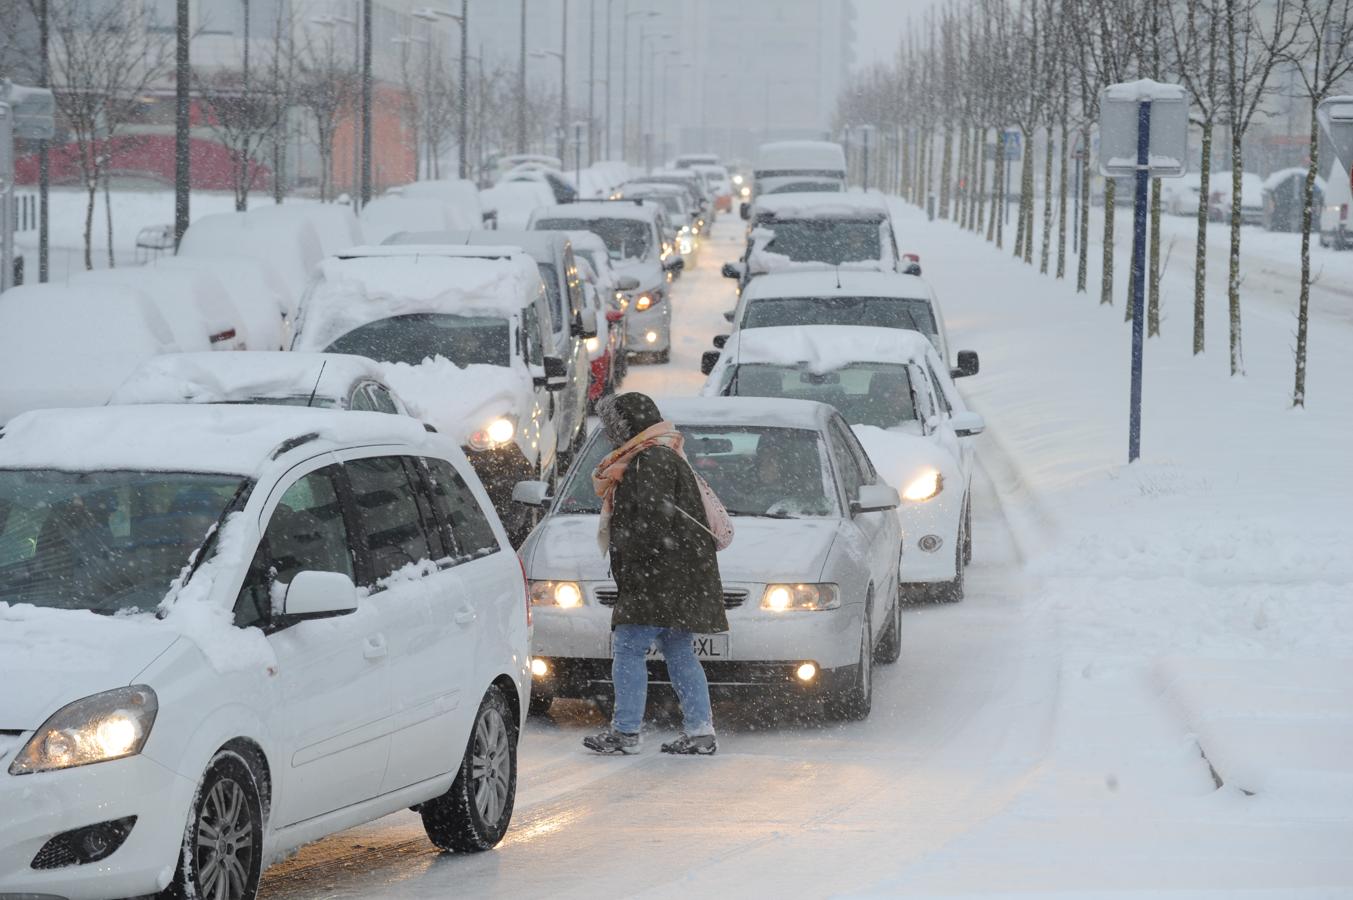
<point>787,479</point>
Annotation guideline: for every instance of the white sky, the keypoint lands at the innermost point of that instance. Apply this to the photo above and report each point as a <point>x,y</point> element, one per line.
<point>879,25</point>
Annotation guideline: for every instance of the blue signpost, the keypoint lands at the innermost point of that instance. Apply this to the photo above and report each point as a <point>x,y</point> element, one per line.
<point>1139,277</point>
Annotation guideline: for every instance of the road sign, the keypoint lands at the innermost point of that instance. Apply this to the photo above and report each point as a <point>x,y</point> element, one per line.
<point>1013,149</point>
<point>1336,118</point>
<point>34,111</point>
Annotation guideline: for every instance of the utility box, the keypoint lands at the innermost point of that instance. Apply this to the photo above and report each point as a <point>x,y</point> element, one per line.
<point>1119,106</point>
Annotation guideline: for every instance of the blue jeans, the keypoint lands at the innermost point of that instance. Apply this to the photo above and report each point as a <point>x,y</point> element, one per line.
<point>629,672</point>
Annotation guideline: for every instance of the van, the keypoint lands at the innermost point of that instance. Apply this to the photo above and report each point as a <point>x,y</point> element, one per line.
<point>793,166</point>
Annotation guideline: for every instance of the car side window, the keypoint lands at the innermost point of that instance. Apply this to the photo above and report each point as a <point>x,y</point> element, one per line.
<point>361,400</point>
<point>531,326</point>
<point>940,395</point>
<point>871,475</point>
<point>458,508</point>
<point>388,514</point>
<point>381,399</point>
<point>925,397</point>
<point>306,532</point>
<point>852,476</point>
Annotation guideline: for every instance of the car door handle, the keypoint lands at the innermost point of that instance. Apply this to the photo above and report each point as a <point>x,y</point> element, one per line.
<point>374,647</point>
<point>465,615</point>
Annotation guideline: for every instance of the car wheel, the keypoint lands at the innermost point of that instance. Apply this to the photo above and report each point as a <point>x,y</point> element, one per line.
<point>952,591</point>
<point>540,704</point>
<point>853,702</point>
<point>890,646</point>
<point>222,854</point>
<point>474,814</point>
<point>967,531</point>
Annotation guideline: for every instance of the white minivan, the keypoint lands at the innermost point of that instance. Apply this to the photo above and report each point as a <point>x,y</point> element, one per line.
<point>230,630</point>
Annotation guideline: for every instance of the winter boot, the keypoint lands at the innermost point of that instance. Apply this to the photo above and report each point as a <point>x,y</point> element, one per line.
<point>692,745</point>
<point>612,741</point>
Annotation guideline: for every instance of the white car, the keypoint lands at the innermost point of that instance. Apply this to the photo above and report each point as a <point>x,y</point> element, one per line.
<point>810,580</point>
<point>237,630</point>
<point>319,380</point>
<point>892,387</point>
<point>831,297</point>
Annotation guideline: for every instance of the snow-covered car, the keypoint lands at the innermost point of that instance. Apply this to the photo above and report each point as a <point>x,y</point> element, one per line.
<point>687,179</point>
<point>613,289</point>
<point>393,213</point>
<point>682,220</point>
<point>67,346</point>
<point>1251,197</point>
<point>274,378</point>
<point>720,187</point>
<point>290,246</point>
<point>512,202</point>
<point>784,167</point>
<point>463,334</point>
<point>1335,229</point>
<point>460,197</point>
<point>633,235</point>
<point>810,581</point>
<point>335,224</point>
<point>800,231</point>
<point>831,297</point>
<point>606,350</point>
<point>239,629</point>
<point>893,389</point>
<point>190,299</point>
<point>1285,198</point>
<point>1181,196</point>
<point>255,289</point>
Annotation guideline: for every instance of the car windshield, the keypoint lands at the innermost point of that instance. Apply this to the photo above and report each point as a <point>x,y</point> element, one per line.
<point>669,202</point>
<point>829,241</point>
<point>864,393</point>
<point>111,541</point>
<point>464,340</point>
<point>877,312</point>
<point>800,187</point>
<point>769,471</point>
<point>625,238</point>
<point>319,401</point>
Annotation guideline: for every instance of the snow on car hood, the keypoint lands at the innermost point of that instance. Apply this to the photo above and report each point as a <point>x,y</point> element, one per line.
<point>61,655</point>
<point>565,548</point>
<point>459,401</point>
<point>647,271</point>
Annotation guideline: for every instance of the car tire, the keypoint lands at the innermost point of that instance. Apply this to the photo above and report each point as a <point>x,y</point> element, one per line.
<point>889,648</point>
<point>224,836</point>
<point>474,814</point>
<point>540,704</point>
<point>967,531</point>
<point>853,702</point>
<point>952,591</point>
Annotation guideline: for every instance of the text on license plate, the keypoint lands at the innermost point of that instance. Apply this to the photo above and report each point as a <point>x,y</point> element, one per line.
<point>707,646</point>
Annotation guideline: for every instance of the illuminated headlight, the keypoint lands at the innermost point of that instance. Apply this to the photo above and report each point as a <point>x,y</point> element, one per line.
<point>924,486</point>
<point>651,337</point>
<point>592,344</point>
<point>790,597</point>
<point>495,434</point>
<point>644,302</point>
<point>685,244</point>
<point>622,299</point>
<point>563,594</point>
<point>539,668</point>
<point>746,192</point>
<point>106,726</point>
<point>806,672</point>
<point>737,179</point>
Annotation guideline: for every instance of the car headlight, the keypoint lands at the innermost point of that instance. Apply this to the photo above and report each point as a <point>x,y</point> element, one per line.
<point>737,179</point>
<point>106,726</point>
<point>924,486</point>
<point>496,433</point>
<point>746,191</point>
<point>592,344</point>
<point>563,594</point>
<point>644,302</point>
<point>790,597</point>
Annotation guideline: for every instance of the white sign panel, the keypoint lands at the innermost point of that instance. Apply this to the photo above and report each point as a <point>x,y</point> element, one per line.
<point>1169,140</point>
<point>1336,117</point>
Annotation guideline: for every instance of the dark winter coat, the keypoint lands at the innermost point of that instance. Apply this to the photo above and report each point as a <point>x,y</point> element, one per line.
<point>664,564</point>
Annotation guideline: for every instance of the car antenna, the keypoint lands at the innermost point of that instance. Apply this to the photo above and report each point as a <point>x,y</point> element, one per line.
<point>838,276</point>
<point>315,389</point>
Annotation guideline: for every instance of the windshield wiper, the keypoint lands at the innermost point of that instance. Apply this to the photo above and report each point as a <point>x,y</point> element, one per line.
<point>761,515</point>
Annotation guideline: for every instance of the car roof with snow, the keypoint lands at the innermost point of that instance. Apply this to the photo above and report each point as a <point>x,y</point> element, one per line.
<point>826,347</point>
<point>800,155</point>
<point>213,377</point>
<point>830,281</point>
<point>819,205</point>
<point>746,411</point>
<point>540,245</point>
<point>230,439</point>
<point>597,209</point>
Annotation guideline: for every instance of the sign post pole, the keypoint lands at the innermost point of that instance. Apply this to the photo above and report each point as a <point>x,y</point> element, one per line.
<point>1139,277</point>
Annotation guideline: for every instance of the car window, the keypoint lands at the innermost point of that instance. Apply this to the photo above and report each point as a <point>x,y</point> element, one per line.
<point>864,393</point>
<point>382,400</point>
<point>532,317</point>
<point>457,506</point>
<point>940,394</point>
<point>550,275</point>
<point>388,514</point>
<point>307,532</point>
<point>876,312</point>
<point>414,337</point>
<point>361,400</point>
<point>829,241</point>
<point>848,467</point>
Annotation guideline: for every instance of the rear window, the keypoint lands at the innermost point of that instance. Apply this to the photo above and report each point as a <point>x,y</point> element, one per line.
<point>624,238</point>
<point>877,312</point>
<point>876,394</point>
<point>464,340</point>
<point>826,241</point>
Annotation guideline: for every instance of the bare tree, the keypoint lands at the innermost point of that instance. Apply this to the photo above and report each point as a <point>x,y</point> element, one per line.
<point>103,59</point>
<point>1322,55</point>
<point>326,85</point>
<point>1252,50</point>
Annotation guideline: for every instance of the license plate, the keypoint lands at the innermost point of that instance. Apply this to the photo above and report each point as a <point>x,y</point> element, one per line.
<point>707,646</point>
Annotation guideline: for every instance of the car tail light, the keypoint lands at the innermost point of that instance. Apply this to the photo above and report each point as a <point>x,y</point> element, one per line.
<point>1343,212</point>
<point>222,336</point>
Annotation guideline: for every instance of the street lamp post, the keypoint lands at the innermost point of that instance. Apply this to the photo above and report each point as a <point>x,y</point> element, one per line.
<point>644,137</point>
<point>521,86</point>
<point>563,95</point>
<point>625,75</point>
<point>366,104</point>
<point>462,93</point>
<point>609,75</point>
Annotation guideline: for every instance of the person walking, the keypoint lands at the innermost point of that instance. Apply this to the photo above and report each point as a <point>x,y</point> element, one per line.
<point>654,526</point>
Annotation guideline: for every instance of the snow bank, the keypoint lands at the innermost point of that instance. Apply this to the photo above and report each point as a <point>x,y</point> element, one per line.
<point>514,201</point>
<point>459,401</point>
<point>392,214</point>
<point>290,247</point>
<point>334,223</point>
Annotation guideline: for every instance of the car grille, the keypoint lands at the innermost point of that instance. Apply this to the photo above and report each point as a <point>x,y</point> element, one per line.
<point>731,599</point>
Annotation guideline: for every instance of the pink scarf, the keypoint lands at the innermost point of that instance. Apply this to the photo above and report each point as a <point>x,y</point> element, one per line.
<point>611,470</point>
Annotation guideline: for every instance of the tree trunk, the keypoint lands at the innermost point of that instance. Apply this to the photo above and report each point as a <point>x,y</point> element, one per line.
<point>1061,204</point>
<point>1200,251</point>
<point>1020,232</point>
<point>946,171</point>
<point>905,167</point>
<point>1083,263</point>
<point>108,218</point>
<point>1233,275</point>
<point>1106,279</point>
<point>1153,274</point>
<point>92,189</point>
<point>981,198</point>
<point>997,188</point>
<point>1026,197</point>
<point>279,135</point>
<point>1046,251</point>
<point>961,186</point>
<point>1304,294</point>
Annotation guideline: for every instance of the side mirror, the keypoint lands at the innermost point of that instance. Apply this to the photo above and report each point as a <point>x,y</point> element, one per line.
<point>587,322</point>
<point>911,269</point>
<point>674,263</point>
<point>615,315</point>
<point>319,595</point>
<point>745,210</point>
<point>874,498</point>
<point>555,377</point>
<point>728,316</point>
<point>627,283</point>
<point>732,270</point>
<point>531,493</point>
<point>966,424</point>
<point>708,360</point>
<point>967,364</point>
<point>720,340</point>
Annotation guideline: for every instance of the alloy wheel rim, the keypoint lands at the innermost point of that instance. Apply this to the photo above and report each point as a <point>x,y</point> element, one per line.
<point>490,766</point>
<point>224,842</point>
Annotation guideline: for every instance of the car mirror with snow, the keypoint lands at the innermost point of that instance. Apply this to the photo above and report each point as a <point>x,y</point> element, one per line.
<point>728,316</point>
<point>674,264</point>
<point>968,364</point>
<point>627,283</point>
<point>588,322</point>
<point>874,498</point>
<point>720,340</point>
<point>708,360</point>
<point>732,270</point>
<point>745,210</point>
<point>531,493</point>
<point>319,595</point>
<point>553,376</point>
<point>966,424</point>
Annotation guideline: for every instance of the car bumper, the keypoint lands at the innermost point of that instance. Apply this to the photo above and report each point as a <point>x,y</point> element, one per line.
<point>924,523</point>
<point>41,806</point>
<point>656,320</point>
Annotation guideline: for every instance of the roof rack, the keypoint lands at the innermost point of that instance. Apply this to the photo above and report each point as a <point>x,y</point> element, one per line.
<point>293,442</point>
